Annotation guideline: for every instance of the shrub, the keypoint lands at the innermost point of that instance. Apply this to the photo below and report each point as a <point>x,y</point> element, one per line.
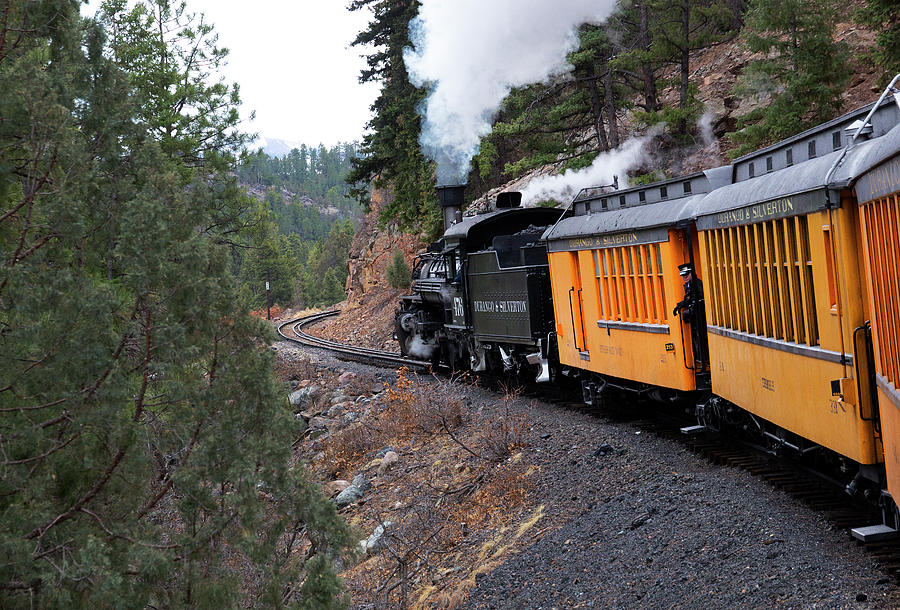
<point>399,275</point>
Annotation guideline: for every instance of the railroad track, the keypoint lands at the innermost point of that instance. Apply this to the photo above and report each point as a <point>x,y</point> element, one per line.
<point>818,493</point>
<point>292,331</point>
<point>821,493</point>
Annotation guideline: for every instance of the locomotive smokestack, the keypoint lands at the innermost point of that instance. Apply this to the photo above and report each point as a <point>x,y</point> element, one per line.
<point>451,198</point>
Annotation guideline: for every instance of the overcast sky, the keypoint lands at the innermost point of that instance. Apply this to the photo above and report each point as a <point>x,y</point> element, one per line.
<point>295,66</point>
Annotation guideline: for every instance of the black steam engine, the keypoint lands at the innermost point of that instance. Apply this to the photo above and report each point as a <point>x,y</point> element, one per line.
<point>481,294</point>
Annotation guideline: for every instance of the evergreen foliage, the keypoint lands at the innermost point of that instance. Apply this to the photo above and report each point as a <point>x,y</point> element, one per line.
<point>390,153</point>
<point>145,444</point>
<point>883,16</point>
<point>678,27</point>
<point>399,275</point>
<point>568,121</point>
<point>318,174</point>
<point>300,250</point>
<point>804,69</point>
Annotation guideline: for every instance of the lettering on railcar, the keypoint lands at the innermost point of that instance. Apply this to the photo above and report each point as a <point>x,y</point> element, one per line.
<point>604,241</point>
<point>754,213</point>
<point>879,182</point>
<point>610,350</point>
<point>836,405</point>
<point>499,306</point>
<point>768,384</point>
<point>458,311</point>
<point>610,240</point>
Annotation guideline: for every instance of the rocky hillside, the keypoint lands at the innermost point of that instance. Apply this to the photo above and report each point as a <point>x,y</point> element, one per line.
<point>370,301</point>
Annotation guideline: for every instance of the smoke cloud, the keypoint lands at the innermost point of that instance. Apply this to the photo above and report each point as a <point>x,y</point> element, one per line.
<point>471,53</point>
<point>563,187</point>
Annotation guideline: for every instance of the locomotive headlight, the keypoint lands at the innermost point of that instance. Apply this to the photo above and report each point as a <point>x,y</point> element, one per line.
<point>408,322</point>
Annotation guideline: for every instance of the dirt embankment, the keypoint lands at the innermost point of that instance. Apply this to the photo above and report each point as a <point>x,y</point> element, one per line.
<point>466,496</point>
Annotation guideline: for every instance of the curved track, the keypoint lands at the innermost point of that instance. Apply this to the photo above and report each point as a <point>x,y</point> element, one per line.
<point>816,491</point>
<point>296,334</point>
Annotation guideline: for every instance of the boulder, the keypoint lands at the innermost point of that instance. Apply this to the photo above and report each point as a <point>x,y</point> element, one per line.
<point>337,410</point>
<point>349,496</point>
<point>346,377</point>
<point>377,540</point>
<point>320,423</point>
<point>303,397</point>
<point>360,482</point>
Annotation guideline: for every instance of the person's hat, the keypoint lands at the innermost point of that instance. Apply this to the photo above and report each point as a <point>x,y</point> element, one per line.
<point>685,269</point>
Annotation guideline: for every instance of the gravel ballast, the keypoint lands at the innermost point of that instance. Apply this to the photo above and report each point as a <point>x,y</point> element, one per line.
<point>631,519</point>
<point>654,525</point>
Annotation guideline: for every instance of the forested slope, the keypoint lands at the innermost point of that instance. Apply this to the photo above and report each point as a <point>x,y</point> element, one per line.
<point>709,78</point>
<point>145,445</point>
<point>302,251</point>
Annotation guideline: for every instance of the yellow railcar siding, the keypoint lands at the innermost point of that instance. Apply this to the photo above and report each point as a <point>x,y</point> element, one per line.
<point>881,225</point>
<point>771,316</point>
<point>889,408</point>
<point>624,290</point>
<point>880,235</point>
<point>791,391</point>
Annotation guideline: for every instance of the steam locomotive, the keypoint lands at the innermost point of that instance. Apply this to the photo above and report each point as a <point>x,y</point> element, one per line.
<point>792,260</point>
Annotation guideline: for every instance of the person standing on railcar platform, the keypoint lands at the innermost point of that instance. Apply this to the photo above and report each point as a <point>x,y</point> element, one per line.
<point>692,311</point>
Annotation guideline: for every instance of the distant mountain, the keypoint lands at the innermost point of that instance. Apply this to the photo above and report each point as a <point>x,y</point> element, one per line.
<point>275,147</point>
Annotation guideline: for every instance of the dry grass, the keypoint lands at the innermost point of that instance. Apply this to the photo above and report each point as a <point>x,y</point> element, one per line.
<point>457,508</point>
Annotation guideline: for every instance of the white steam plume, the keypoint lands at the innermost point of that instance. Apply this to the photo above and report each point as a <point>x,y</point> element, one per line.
<point>563,187</point>
<point>470,53</point>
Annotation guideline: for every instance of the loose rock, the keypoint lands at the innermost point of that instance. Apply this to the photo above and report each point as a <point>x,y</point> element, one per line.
<point>303,397</point>
<point>377,541</point>
<point>361,482</point>
<point>349,496</point>
<point>335,487</point>
<point>381,452</point>
<point>320,423</point>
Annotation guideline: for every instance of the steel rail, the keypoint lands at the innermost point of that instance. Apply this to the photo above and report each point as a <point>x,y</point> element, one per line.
<point>341,350</point>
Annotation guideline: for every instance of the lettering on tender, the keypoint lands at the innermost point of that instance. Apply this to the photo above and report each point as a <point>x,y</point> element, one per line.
<point>500,306</point>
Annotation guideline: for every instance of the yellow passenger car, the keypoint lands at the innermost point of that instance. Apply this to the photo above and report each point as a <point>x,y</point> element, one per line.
<point>878,196</point>
<point>615,281</point>
<point>779,251</point>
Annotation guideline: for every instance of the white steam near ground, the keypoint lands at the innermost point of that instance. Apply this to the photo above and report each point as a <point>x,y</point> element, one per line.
<point>471,53</point>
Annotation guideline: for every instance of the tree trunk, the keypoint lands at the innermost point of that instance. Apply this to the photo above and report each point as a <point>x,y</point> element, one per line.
<point>611,109</point>
<point>685,63</point>
<point>737,14</point>
<point>597,113</point>
<point>650,97</point>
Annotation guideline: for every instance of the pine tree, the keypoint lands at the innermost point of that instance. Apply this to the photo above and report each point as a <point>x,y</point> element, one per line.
<point>884,17</point>
<point>390,153</point>
<point>679,27</point>
<point>145,442</point>
<point>804,70</point>
<point>566,122</point>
